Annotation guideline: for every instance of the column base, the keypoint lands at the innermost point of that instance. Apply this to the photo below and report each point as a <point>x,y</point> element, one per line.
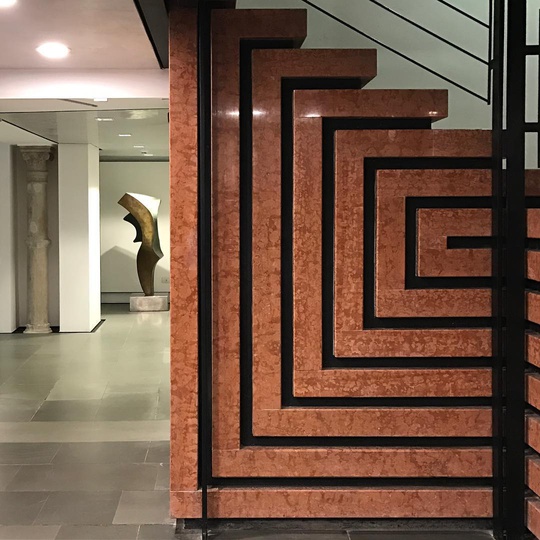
<point>139,303</point>
<point>38,329</point>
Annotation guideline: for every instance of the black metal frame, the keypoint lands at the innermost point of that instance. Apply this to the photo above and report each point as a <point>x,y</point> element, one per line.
<point>509,131</point>
<point>509,221</point>
<point>205,255</point>
<point>155,19</point>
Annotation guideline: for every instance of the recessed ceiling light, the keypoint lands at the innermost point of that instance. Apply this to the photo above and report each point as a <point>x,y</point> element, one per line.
<point>124,134</point>
<point>7,3</point>
<point>53,50</point>
<point>102,119</point>
<point>138,146</point>
<point>101,99</point>
<point>148,155</point>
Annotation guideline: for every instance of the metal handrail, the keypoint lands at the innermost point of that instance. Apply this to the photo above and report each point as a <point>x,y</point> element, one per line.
<point>403,55</point>
<point>429,32</point>
<point>465,14</point>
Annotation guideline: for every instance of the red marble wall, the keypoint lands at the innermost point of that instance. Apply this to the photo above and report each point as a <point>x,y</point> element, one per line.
<point>532,381</point>
<point>184,290</point>
<point>364,363</point>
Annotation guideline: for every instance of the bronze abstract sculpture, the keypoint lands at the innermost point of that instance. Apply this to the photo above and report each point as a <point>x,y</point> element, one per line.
<point>143,214</point>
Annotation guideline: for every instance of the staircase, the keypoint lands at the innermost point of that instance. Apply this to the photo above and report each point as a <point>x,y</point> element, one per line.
<point>351,364</point>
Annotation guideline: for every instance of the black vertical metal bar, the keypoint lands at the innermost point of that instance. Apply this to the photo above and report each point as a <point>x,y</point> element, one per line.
<point>538,100</point>
<point>515,268</point>
<point>497,53</point>
<point>205,256</point>
<point>491,67</point>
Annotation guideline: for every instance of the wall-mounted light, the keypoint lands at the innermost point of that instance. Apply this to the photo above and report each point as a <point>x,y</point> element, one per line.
<point>53,50</point>
<point>124,134</point>
<point>103,119</point>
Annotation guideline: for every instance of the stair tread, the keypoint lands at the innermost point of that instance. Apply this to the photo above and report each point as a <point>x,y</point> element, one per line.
<point>290,24</point>
<point>372,103</point>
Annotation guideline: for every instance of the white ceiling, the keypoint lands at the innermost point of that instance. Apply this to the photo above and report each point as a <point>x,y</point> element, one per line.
<point>102,34</point>
<point>79,104</point>
<point>148,127</point>
<point>10,134</point>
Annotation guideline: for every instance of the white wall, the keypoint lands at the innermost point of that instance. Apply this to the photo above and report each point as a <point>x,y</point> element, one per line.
<point>118,251</point>
<point>54,284</point>
<point>465,111</point>
<point>79,237</point>
<point>8,268</point>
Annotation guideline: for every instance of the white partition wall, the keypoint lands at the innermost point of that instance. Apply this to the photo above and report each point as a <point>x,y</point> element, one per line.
<point>79,232</point>
<point>8,267</point>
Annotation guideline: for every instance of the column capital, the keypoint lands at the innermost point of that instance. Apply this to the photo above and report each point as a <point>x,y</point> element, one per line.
<point>36,157</point>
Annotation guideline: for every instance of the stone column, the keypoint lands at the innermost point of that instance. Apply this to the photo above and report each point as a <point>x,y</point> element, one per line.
<point>37,239</point>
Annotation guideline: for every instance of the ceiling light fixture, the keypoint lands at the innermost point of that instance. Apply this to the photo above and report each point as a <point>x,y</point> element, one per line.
<point>53,50</point>
<point>138,146</point>
<point>104,99</point>
<point>7,3</point>
<point>124,134</point>
<point>148,155</point>
<point>102,119</point>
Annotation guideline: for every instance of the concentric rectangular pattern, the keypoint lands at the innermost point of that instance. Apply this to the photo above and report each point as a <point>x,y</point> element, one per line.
<point>351,307</point>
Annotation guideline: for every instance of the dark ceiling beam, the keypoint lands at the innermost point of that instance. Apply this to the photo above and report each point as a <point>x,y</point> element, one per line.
<point>154,16</point>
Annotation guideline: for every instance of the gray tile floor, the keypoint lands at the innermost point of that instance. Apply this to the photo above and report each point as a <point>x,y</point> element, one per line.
<point>84,434</point>
<point>84,438</point>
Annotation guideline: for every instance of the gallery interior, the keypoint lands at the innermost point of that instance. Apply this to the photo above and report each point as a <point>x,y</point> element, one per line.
<point>269,269</point>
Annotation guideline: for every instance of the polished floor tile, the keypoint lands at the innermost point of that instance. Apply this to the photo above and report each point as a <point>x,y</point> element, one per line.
<point>36,392</point>
<point>67,410</point>
<point>18,410</point>
<point>93,532</point>
<point>156,532</point>
<point>38,432</point>
<point>143,507</point>
<point>103,452</point>
<point>69,390</point>
<point>79,508</point>
<point>20,508</point>
<point>7,473</point>
<point>128,407</point>
<point>91,477</point>
<point>163,480</point>
<point>159,452</point>
<point>29,532</point>
<point>27,453</point>
<point>84,432</point>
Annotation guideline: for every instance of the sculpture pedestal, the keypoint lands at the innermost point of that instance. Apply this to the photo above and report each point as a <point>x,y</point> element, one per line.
<point>141,303</point>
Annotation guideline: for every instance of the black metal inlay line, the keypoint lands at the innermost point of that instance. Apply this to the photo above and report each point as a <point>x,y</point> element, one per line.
<point>368,442</point>
<point>371,166</point>
<point>246,219</point>
<point>288,87</point>
<point>348,481</point>
<point>469,242</point>
<point>514,229</point>
<point>412,280</point>
<point>204,257</point>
